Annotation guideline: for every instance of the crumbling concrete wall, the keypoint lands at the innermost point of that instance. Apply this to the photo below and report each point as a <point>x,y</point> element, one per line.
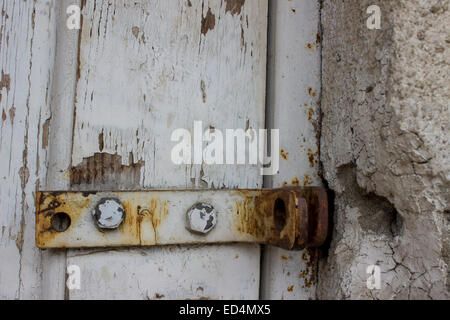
<point>384,148</point>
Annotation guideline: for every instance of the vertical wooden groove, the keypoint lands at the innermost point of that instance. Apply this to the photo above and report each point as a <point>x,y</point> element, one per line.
<point>293,83</point>
<point>60,139</point>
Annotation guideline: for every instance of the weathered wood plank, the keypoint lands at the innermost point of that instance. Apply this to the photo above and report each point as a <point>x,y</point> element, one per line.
<point>176,272</point>
<point>293,108</point>
<point>26,48</point>
<point>150,67</point>
<point>146,69</point>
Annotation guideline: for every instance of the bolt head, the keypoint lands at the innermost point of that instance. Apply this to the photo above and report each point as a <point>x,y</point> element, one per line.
<point>201,218</point>
<point>109,214</point>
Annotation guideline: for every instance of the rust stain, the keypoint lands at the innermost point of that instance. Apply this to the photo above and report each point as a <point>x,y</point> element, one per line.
<point>311,92</point>
<point>208,22</point>
<point>155,213</point>
<point>312,158</point>
<point>159,212</point>
<point>308,275</point>
<point>295,182</point>
<point>308,181</point>
<point>284,154</point>
<point>274,217</point>
<point>106,169</point>
<point>284,258</point>
<point>77,205</point>
<point>234,6</point>
<point>189,4</point>
<point>310,113</point>
<point>4,115</point>
<point>290,288</point>
<point>130,227</point>
<point>50,203</point>
<point>258,216</point>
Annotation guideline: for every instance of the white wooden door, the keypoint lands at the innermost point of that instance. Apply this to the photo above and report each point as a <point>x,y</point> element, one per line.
<point>94,109</point>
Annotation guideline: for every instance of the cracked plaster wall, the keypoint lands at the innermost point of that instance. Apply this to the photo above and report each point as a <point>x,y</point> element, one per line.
<point>384,148</point>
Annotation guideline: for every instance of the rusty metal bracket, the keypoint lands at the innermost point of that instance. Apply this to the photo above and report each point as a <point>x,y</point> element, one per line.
<point>290,218</point>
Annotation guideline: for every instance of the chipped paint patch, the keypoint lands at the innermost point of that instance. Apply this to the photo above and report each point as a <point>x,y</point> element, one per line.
<point>107,170</point>
<point>208,22</point>
<point>234,6</point>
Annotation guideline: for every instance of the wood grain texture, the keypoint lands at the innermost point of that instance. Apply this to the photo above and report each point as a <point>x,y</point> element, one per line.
<point>150,67</point>
<point>147,68</point>
<point>143,70</point>
<point>26,48</point>
<point>293,92</point>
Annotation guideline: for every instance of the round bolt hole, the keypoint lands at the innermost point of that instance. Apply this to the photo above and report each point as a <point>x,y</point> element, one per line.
<point>279,214</point>
<point>60,222</point>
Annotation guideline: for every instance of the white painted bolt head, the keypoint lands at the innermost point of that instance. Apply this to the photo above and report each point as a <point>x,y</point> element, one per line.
<point>109,214</point>
<point>201,218</point>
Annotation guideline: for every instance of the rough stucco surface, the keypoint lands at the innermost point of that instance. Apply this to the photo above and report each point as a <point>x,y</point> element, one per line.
<point>384,148</point>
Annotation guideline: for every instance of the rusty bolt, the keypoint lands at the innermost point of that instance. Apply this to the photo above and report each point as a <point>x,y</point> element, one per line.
<point>109,214</point>
<point>201,218</point>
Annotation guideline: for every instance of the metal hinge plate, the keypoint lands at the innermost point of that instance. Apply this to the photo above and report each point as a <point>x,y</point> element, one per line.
<point>290,218</point>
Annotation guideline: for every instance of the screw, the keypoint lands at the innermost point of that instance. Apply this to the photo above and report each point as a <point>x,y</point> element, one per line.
<point>201,218</point>
<point>109,214</point>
